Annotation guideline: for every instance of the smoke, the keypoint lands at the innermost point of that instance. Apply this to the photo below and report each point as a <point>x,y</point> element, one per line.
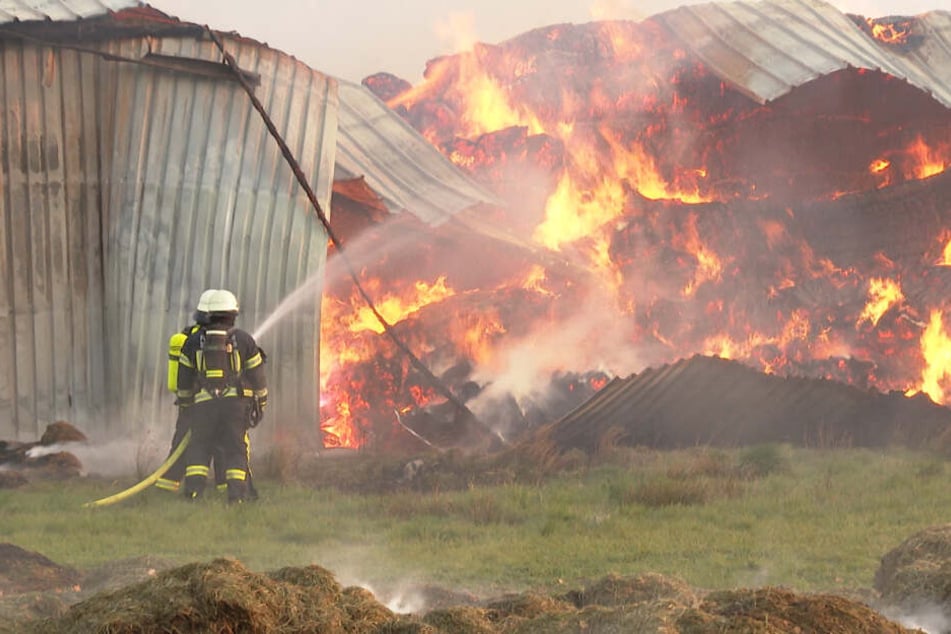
<point>116,457</point>
<point>931,619</point>
<point>617,9</point>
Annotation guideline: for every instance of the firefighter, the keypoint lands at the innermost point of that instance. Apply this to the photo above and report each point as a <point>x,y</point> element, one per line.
<point>171,479</point>
<point>222,381</point>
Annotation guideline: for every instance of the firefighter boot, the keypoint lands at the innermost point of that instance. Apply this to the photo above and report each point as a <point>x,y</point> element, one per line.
<point>237,491</point>
<point>196,477</point>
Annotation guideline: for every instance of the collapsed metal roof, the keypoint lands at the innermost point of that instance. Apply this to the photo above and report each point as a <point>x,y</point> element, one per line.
<point>407,171</point>
<point>59,10</point>
<point>767,48</point>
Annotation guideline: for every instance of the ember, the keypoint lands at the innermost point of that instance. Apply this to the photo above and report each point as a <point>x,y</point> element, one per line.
<point>653,212</point>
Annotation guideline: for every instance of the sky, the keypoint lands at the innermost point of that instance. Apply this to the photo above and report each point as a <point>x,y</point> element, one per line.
<point>352,39</point>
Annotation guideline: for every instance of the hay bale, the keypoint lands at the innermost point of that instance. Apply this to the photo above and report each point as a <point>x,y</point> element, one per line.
<point>526,606</point>
<point>26,571</point>
<point>612,590</point>
<point>18,612</point>
<point>779,611</point>
<point>220,596</point>
<point>463,619</point>
<point>917,573</point>
<point>60,432</point>
<point>364,612</point>
<point>657,617</point>
<point>10,479</point>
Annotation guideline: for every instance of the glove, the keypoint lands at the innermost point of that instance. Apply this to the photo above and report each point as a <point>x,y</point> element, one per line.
<point>257,410</point>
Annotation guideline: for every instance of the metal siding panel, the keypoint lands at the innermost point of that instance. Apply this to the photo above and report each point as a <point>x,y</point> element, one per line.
<point>21,207</point>
<point>231,207</point>
<point>9,90</point>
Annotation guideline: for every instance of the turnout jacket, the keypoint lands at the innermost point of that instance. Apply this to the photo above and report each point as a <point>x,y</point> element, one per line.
<point>250,378</point>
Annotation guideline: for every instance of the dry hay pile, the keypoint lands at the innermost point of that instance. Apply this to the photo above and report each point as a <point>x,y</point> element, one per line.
<point>915,576</point>
<point>18,465</point>
<point>223,596</point>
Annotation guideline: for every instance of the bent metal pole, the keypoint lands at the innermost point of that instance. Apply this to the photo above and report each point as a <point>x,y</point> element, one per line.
<point>312,197</point>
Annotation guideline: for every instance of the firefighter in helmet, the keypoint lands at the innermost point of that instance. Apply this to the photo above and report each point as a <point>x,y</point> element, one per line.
<point>223,383</point>
<point>171,479</point>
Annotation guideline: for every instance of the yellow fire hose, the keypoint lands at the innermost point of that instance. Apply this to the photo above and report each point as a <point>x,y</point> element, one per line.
<point>149,481</point>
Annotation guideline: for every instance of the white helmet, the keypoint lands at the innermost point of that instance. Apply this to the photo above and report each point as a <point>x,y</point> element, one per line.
<point>204,299</point>
<point>222,301</point>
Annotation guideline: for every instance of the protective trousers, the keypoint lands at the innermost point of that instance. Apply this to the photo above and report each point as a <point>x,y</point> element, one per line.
<point>218,424</point>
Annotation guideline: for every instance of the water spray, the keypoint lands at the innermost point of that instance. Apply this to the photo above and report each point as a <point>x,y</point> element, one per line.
<point>438,385</point>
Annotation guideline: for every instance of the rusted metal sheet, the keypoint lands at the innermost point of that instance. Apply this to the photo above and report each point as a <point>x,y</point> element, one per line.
<point>127,190</point>
<point>708,401</point>
<point>399,164</point>
<point>59,10</point>
<point>769,47</point>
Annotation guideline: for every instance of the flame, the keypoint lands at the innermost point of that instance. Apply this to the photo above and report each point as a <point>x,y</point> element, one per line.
<point>395,308</point>
<point>882,295</point>
<point>936,349</point>
<point>926,161</point>
<point>945,254</point>
<point>890,32</point>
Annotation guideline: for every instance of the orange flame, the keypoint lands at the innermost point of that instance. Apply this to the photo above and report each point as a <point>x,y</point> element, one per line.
<point>936,349</point>
<point>882,295</point>
<point>890,32</point>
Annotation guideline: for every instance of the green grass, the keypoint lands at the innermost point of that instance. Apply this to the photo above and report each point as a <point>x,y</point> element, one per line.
<point>808,520</point>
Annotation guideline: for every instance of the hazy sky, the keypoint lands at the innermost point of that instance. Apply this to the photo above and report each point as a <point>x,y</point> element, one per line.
<point>352,39</point>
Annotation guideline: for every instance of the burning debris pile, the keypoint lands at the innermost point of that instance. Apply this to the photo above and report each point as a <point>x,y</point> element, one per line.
<point>653,211</point>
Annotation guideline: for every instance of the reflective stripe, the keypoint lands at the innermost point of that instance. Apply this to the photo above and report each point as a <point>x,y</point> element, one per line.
<point>196,470</point>
<point>221,487</point>
<point>167,485</point>
<point>261,392</point>
<point>203,394</point>
<point>254,361</point>
<point>214,374</point>
<point>236,474</point>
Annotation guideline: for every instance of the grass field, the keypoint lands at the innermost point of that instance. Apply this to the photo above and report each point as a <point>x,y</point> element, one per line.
<point>809,520</point>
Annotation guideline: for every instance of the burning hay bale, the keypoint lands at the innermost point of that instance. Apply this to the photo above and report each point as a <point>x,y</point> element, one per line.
<point>916,574</point>
<point>22,461</point>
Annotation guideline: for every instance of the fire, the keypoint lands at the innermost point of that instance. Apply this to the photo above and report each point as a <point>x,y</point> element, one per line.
<point>890,32</point>
<point>655,212</point>
<point>395,308</point>
<point>936,348</point>
<point>883,294</point>
<point>926,161</point>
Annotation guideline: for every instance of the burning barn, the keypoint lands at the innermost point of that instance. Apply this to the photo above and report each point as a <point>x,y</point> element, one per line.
<point>135,173</point>
<point>765,182</point>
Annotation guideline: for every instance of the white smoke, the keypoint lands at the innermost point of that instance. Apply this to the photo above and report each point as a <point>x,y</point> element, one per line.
<point>931,619</point>
<point>113,458</point>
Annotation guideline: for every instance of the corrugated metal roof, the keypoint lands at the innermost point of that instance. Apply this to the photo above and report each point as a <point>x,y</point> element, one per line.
<point>768,48</point>
<point>399,164</point>
<point>705,401</point>
<point>59,10</point>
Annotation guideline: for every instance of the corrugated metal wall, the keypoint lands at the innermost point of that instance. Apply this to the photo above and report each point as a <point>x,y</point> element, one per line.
<point>127,190</point>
